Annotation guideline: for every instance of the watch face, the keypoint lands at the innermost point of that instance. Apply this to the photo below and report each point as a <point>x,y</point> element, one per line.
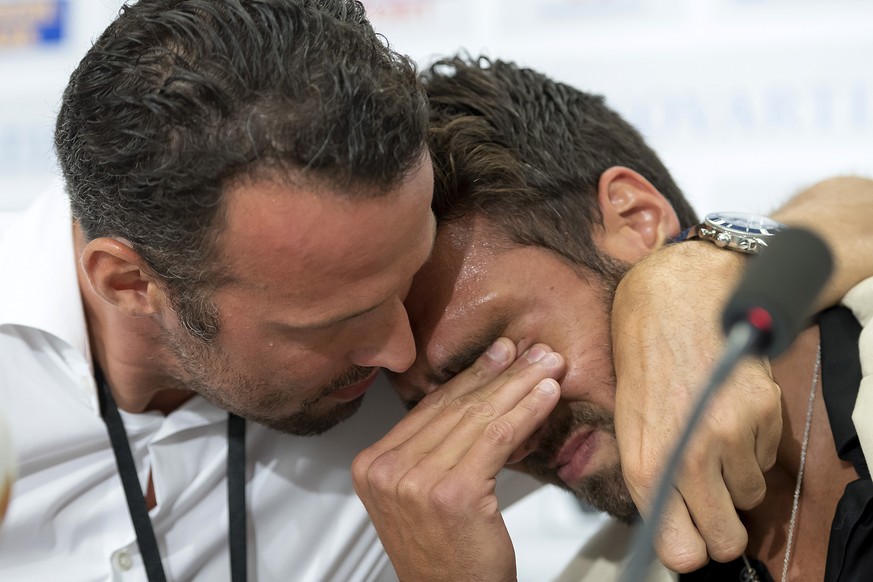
<point>742,223</point>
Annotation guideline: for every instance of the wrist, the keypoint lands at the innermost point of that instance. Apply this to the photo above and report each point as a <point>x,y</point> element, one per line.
<point>681,268</point>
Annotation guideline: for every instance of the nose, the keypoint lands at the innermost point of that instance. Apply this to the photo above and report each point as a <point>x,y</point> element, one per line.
<point>388,340</point>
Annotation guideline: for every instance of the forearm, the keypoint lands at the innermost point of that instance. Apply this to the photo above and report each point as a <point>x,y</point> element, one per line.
<point>660,367</point>
<point>841,211</point>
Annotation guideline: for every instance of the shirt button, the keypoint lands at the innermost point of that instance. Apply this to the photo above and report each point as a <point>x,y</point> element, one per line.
<point>121,560</point>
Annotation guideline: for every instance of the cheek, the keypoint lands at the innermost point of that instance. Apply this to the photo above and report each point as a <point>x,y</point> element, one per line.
<point>255,353</point>
<point>310,359</point>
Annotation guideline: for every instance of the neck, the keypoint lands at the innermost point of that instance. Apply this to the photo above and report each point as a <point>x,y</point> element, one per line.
<point>824,477</point>
<point>129,351</point>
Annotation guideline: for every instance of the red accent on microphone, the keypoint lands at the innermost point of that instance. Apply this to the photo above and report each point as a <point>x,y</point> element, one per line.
<point>760,318</point>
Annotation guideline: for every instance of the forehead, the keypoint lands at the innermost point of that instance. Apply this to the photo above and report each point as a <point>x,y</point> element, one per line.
<point>456,282</point>
<point>478,286</point>
<point>305,248</point>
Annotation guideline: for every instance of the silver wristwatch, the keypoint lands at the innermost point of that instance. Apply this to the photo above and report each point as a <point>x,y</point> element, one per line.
<point>737,231</point>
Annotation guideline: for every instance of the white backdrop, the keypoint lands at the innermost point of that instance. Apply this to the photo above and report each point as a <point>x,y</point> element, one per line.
<point>746,101</point>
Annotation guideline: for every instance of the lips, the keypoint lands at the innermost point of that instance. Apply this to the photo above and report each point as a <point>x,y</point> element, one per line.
<point>574,457</point>
<point>353,391</point>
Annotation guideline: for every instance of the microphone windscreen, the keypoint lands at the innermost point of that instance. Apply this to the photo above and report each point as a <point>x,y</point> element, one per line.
<point>783,281</point>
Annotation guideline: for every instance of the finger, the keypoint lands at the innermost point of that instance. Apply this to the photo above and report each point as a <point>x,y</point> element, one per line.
<point>755,378</point>
<point>501,437</point>
<point>484,370</point>
<point>462,487</point>
<point>701,484</point>
<point>748,446</point>
<point>472,386</point>
<point>496,364</point>
<point>446,442</point>
<point>768,436</point>
<point>711,508</point>
<point>427,456</point>
<point>743,475</point>
<point>429,423</point>
<point>677,542</point>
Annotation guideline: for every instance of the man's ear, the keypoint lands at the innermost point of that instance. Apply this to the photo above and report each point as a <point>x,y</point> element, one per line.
<point>637,218</point>
<point>120,276</point>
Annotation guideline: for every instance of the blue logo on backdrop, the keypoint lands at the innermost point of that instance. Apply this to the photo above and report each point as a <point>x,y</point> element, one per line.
<point>32,22</point>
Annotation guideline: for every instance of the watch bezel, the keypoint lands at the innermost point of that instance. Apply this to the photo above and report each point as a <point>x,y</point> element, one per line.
<point>727,221</point>
<point>723,230</point>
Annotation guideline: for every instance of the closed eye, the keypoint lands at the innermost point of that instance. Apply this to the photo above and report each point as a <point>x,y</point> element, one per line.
<point>463,358</point>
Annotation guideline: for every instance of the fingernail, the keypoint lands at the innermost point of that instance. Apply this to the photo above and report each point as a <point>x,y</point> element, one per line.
<point>550,360</point>
<point>535,354</point>
<point>548,386</point>
<point>498,351</point>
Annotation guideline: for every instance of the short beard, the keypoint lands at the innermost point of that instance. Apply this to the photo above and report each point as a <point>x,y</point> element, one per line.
<point>605,490</point>
<point>202,364</point>
<point>306,423</point>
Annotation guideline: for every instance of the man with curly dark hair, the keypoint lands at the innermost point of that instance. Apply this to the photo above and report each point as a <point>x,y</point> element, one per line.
<point>544,198</point>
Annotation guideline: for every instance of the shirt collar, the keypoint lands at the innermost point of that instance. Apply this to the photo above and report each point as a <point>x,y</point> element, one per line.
<point>38,283</point>
<point>39,289</point>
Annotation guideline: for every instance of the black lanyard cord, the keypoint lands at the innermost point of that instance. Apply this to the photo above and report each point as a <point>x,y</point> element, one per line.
<point>236,495</point>
<point>139,514</point>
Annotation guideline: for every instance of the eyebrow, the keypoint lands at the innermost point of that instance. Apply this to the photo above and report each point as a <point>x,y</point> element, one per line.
<point>468,352</point>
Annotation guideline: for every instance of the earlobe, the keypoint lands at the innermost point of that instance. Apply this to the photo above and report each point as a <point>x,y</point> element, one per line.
<point>637,218</point>
<point>119,276</point>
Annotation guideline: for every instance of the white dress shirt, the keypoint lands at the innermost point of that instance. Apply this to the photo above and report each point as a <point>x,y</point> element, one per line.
<point>68,518</point>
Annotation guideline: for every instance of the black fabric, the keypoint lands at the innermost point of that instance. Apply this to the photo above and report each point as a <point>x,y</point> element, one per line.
<point>841,374</point>
<point>734,571</point>
<point>850,548</point>
<point>136,504</point>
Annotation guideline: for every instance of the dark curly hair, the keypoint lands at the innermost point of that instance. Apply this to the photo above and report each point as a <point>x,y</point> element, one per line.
<point>528,152</point>
<point>178,98</point>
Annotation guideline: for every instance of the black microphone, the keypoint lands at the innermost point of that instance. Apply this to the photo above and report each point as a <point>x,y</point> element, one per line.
<point>764,315</point>
<point>778,289</point>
